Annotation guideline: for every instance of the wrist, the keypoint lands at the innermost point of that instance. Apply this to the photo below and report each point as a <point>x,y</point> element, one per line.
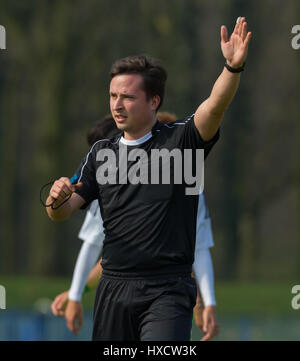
<point>234,68</point>
<point>233,64</point>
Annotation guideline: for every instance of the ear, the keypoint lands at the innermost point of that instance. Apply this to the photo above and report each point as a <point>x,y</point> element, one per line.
<point>155,101</point>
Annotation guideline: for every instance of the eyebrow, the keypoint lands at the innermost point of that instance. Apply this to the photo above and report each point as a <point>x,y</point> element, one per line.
<point>123,95</point>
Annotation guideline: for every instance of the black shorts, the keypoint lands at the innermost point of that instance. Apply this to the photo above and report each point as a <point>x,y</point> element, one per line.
<point>147,309</point>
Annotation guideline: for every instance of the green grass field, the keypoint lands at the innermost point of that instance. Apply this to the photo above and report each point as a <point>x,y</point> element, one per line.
<point>245,310</point>
<point>232,297</point>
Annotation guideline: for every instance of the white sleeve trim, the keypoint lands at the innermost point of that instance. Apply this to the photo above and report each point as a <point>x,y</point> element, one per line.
<point>86,259</point>
<point>203,270</point>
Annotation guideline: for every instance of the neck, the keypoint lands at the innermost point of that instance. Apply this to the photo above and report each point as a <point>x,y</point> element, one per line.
<point>140,133</point>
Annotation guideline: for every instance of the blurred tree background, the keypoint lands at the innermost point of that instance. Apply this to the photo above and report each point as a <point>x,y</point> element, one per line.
<point>54,85</point>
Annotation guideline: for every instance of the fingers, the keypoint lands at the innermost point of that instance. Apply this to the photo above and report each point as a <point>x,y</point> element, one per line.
<point>56,306</point>
<point>57,310</point>
<point>205,327</point>
<point>71,319</point>
<point>224,34</point>
<point>244,31</point>
<point>78,323</point>
<point>59,304</point>
<point>74,316</point>
<point>210,326</point>
<point>207,337</point>
<point>71,324</point>
<point>213,330</point>
<point>240,30</point>
<point>239,26</point>
<point>210,331</point>
<point>62,303</point>
<point>247,40</point>
<point>74,324</point>
<point>236,28</point>
<point>61,189</point>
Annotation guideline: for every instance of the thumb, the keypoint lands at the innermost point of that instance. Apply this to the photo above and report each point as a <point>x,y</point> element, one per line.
<point>77,186</point>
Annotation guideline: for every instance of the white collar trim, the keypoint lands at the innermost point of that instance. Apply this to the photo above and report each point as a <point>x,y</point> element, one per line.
<point>136,141</point>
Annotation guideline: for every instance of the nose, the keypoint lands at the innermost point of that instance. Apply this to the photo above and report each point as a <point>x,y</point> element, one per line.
<point>118,104</point>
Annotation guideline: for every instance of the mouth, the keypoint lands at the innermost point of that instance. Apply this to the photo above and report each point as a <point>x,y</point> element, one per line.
<point>120,118</point>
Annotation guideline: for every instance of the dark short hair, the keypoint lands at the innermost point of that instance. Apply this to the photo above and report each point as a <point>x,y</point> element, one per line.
<point>153,74</point>
<point>102,129</point>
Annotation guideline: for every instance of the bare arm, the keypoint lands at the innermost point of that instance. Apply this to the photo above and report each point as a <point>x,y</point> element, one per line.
<point>94,275</point>
<point>210,113</point>
<point>60,190</point>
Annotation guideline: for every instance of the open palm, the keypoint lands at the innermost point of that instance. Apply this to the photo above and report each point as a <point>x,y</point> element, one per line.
<point>235,49</point>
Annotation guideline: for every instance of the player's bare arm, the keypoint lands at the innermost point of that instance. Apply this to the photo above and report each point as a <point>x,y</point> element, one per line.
<point>94,276</point>
<point>59,192</point>
<point>210,113</point>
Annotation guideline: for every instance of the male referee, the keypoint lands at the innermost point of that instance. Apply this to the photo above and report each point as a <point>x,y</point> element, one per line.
<point>146,291</point>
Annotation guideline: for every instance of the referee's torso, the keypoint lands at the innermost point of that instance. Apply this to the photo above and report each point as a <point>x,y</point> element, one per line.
<point>149,228</point>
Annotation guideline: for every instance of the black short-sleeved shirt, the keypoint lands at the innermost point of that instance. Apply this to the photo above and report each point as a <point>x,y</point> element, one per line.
<point>149,228</point>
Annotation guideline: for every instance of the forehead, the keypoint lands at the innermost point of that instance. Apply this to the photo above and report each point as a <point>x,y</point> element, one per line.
<point>126,83</point>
